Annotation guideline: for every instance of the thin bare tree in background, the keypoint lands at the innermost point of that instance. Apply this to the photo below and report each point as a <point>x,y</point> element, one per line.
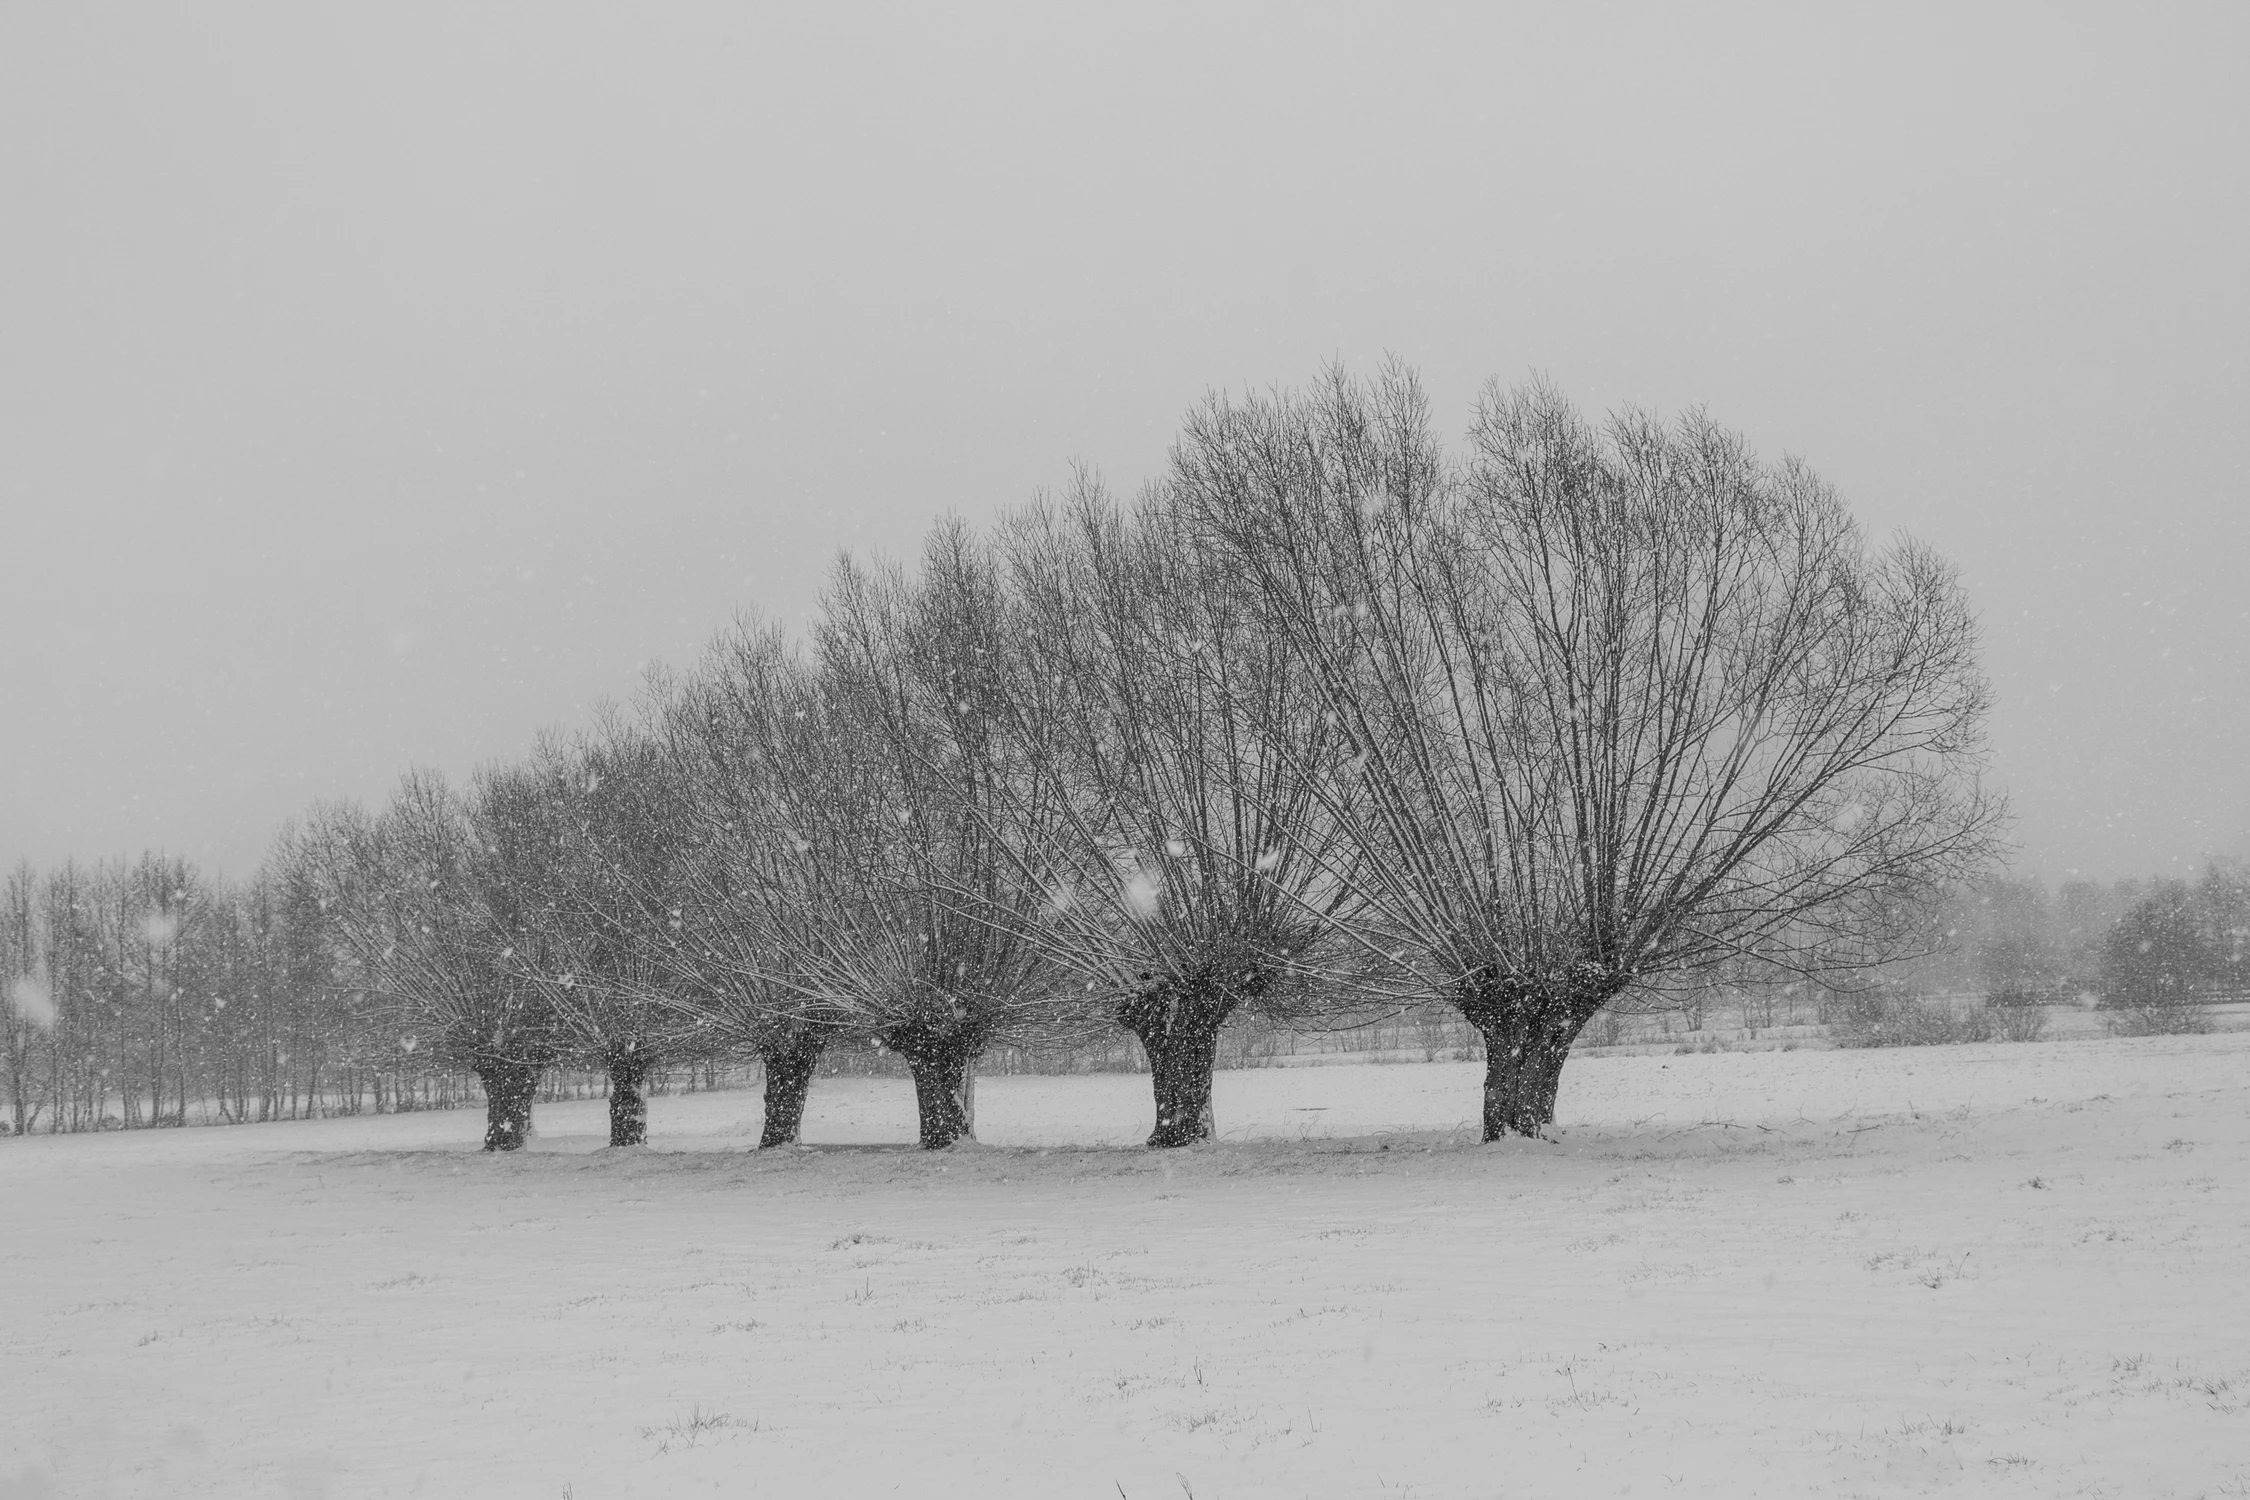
<point>309,976</point>
<point>311,997</point>
<point>1628,704</point>
<point>110,909</point>
<point>159,906</point>
<point>236,982</point>
<point>27,1011</point>
<point>1195,874</point>
<point>70,954</point>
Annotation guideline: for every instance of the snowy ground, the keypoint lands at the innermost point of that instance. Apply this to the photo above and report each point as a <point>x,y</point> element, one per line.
<point>1988,1270</point>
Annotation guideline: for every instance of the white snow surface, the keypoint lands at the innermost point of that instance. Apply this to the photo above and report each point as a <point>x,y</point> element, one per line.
<point>1992,1270</point>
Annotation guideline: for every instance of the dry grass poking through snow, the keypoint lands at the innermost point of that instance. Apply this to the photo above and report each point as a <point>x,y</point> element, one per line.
<point>1983,1270</point>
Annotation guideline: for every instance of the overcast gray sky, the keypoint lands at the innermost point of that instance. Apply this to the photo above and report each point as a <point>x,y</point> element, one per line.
<point>381,383</point>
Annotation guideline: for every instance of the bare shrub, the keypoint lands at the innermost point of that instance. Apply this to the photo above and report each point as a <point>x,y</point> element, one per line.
<point>2151,1017</point>
<point>1877,1020</point>
<point>1606,1030</point>
<point>2019,1023</point>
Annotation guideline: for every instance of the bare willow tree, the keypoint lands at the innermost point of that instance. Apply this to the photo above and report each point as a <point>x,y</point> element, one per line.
<point>27,1010</point>
<point>746,741</point>
<point>430,900</point>
<point>924,806</point>
<point>1195,873</point>
<point>1627,704</point>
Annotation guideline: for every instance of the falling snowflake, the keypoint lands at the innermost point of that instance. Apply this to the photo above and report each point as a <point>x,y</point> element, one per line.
<point>1144,895</point>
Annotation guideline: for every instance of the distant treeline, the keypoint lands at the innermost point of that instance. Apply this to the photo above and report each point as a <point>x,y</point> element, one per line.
<point>2132,943</point>
<point>151,994</point>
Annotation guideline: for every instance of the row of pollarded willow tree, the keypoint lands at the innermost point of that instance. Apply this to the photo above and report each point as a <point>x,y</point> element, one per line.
<point>1327,720</point>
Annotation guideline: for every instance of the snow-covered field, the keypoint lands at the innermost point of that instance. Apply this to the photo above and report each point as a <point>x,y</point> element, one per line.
<point>1985,1270</point>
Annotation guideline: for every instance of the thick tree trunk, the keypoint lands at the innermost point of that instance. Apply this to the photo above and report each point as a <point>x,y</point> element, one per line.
<point>1180,1068</point>
<point>1522,1073</point>
<point>789,1075</point>
<point>628,1110</point>
<point>1527,1033</point>
<point>509,1088</point>
<point>942,1055</point>
<point>1178,1027</point>
<point>944,1094</point>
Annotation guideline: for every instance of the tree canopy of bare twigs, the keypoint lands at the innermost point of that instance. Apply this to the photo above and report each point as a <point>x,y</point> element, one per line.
<point>593,841</point>
<point>857,863</point>
<point>928,832</point>
<point>1627,704</point>
<point>1193,871</point>
<point>748,738</point>
<point>433,898</point>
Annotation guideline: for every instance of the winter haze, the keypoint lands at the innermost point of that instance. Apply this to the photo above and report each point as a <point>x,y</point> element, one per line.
<point>378,385</point>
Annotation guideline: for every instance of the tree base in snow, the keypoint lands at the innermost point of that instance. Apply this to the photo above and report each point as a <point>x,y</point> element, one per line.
<point>509,1089</point>
<point>944,1097</point>
<point>1527,1031</point>
<point>790,1066</point>
<point>628,1109</point>
<point>1179,1030</point>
